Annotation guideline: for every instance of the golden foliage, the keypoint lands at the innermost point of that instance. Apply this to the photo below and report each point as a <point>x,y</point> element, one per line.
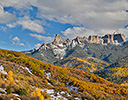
<point>10,76</point>
<point>87,82</point>
<point>36,93</point>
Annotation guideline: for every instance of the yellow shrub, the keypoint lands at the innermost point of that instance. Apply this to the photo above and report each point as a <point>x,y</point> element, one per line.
<point>36,93</point>
<point>10,76</point>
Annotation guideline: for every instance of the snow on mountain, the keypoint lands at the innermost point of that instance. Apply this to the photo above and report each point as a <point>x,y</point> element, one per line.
<point>93,46</point>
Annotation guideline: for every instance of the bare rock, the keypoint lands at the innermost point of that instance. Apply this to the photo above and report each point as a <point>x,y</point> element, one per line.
<point>119,37</point>
<point>94,39</point>
<point>109,38</point>
<point>57,39</point>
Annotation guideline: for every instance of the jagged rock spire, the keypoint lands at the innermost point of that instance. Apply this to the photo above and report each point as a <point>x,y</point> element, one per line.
<point>57,39</point>
<point>108,38</point>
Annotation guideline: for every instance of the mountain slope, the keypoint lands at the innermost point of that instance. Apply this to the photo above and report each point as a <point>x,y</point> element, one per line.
<point>61,82</point>
<point>87,64</point>
<point>116,72</point>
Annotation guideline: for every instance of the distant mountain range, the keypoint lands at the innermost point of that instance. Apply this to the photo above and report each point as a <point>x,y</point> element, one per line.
<point>109,48</point>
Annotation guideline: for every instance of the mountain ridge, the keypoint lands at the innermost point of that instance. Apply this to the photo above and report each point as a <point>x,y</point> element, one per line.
<point>59,49</point>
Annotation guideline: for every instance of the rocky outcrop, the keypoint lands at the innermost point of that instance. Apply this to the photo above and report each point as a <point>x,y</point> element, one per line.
<point>114,38</point>
<point>79,39</point>
<point>66,42</point>
<point>44,46</point>
<point>119,37</point>
<point>109,38</point>
<point>57,39</point>
<point>94,39</point>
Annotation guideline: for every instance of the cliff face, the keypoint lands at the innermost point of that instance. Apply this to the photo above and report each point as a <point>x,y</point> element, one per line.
<point>109,38</point>
<point>94,39</point>
<point>119,37</point>
<point>57,39</point>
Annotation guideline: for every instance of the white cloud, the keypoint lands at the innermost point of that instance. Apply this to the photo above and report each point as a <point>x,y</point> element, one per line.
<point>5,16</point>
<point>22,44</point>
<point>11,25</point>
<point>81,31</point>
<point>18,4</point>
<point>3,28</point>
<point>3,42</point>
<point>77,31</point>
<point>16,41</point>
<point>124,31</point>
<point>95,15</point>
<point>27,23</point>
<point>28,44</point>
<point>42,38</point>
<point>38,45</point>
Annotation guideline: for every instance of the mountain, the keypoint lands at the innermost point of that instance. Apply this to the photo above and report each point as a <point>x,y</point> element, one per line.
<point>89,64</point>
<point>31,79</point>
<point>116,72</point>
<point>115,38</point>
<point>109,48</point>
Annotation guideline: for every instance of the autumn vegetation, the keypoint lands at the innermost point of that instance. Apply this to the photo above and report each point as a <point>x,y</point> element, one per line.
<point>90,86</point>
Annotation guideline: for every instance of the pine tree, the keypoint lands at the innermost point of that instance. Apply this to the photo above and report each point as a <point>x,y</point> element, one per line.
<point>8,89</point>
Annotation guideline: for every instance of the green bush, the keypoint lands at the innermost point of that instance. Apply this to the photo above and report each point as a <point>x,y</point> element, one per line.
<point>8,89</point>
<point>22,91</point>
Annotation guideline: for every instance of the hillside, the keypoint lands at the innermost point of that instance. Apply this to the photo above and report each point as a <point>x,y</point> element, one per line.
<point>25,74</point>
<point>116,72</point>
<point>89,64</point>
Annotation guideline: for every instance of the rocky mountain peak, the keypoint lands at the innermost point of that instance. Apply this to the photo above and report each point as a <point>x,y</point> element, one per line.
<point>115,38</point>
<point>57,39</point>
<point>108,38</point>
<point>94,39</point>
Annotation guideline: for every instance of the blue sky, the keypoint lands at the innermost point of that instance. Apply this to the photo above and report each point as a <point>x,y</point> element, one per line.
<point>26,23</point>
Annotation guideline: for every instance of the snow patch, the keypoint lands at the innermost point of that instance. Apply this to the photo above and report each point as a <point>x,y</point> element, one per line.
<point>48,75</point>
<point>52,93</point>
<point>62,92</point>
<point>71,87</point>
<point>61,45</point>
<point>3,90</point>
<point>50,84</point>
<point>18,99</point>
<point>48,91</point>
<point>15,94</point>
<point>59,53</point>
<point>2,70</point>
<point>28,70</point>
<point>76,98</point>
